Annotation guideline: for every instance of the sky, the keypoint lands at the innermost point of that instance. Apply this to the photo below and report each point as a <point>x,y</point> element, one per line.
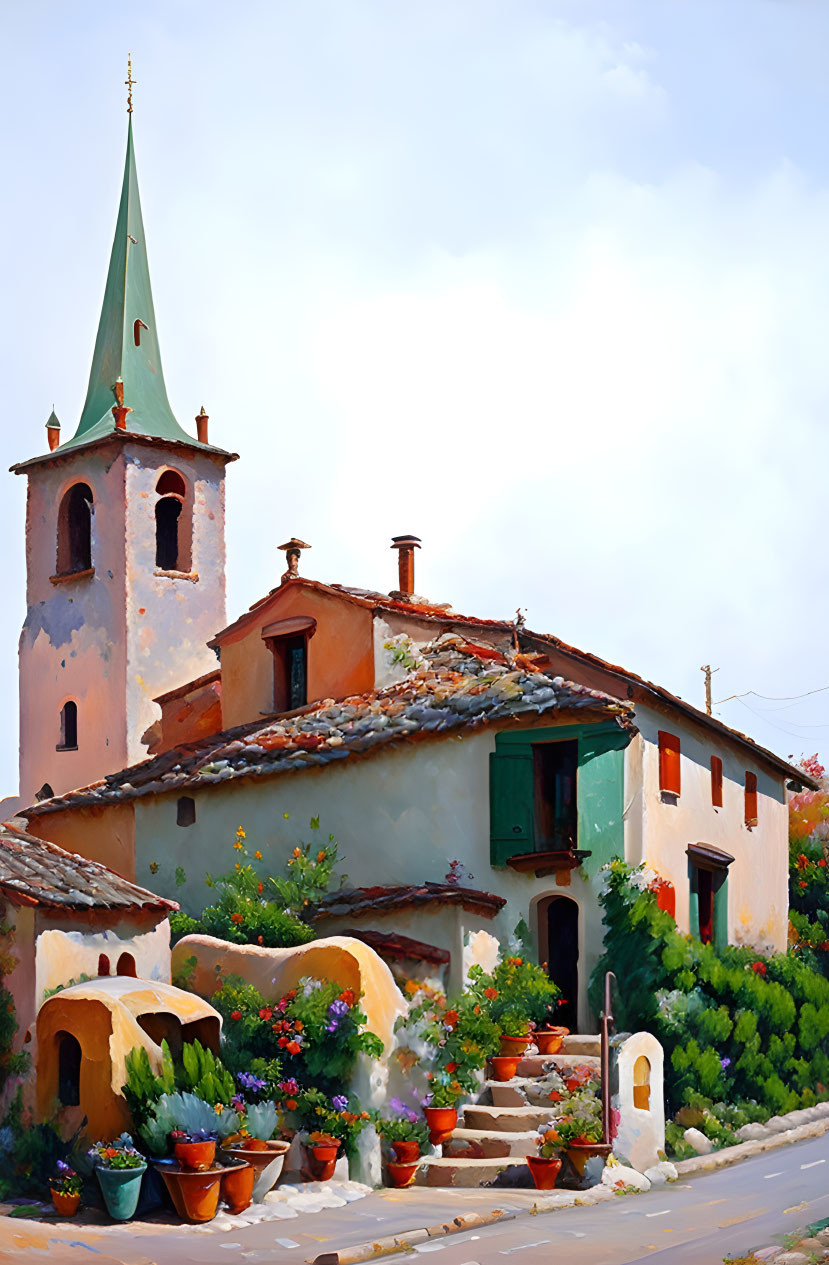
<point>544,283</point>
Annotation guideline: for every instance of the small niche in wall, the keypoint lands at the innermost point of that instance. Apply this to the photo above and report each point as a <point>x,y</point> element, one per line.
<point>126,965</point>
<point>642,1083</point>
<point>103,965</point>
<point>186,811</point>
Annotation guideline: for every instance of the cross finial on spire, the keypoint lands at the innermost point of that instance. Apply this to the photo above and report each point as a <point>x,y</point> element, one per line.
<point>129,81</point>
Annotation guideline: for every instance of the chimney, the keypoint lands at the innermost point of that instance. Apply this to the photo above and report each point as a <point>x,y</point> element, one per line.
<point>201,426</point>
<point>405,545</point>
<point>53,431</point>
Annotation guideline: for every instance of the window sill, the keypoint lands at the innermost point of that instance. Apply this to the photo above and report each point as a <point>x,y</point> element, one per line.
<point>66,576</point>
<point>547,862</point>
<point>192,576</point>
<point>62,748</point>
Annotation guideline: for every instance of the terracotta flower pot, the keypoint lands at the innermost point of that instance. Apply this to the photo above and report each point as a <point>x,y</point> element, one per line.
<point>321,1160</point>
<point>405,1152</point>
<point>579,1151</point>
<point>237,1187</point>
<point>195,1192</point>
<point>402,1174</point>
<point>544,1171</point>
<point>266,1164</point>
<point>548,1040</point>
<point>66,1205</point>
<point>513,1047</point>
<point>195,1155</point>
<point>442,1122</point>
<point>505,1066</point>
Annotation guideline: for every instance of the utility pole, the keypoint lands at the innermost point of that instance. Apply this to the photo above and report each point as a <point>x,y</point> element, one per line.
<point>706,668</point>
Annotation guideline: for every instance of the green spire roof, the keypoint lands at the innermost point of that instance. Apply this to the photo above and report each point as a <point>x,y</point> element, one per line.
<point>128,299</point>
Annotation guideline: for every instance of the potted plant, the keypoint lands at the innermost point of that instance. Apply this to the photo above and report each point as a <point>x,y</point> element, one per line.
<point>328,1124</point>
<point>581,1135</point>
<point>406,1134</point>
<point>196,1150</point>
<point>256,1147</point>
<point>323,1150</point>
<point>549,1035</point>
<point>545,1165</point>
<point>442,1112</point>
<point>66,1190</point>
<point>119,1168</point>
<point>515,1033</point>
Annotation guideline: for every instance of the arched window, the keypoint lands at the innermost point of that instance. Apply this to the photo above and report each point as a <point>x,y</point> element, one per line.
<point>69,1070</point>
<point>642,1083</point>
<point>172,551</point>
<point>186,811</point>
<point>68,727</point>
<point>126,965</point>
<point>75,530</point>
<point>103,965</point>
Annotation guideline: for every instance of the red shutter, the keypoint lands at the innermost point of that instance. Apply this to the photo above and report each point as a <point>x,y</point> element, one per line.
<point>751,799</point>
<point>669,778</point>
<point>716,781</point>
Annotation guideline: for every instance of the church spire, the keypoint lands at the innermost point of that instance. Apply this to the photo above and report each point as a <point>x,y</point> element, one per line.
<point>126,348</point>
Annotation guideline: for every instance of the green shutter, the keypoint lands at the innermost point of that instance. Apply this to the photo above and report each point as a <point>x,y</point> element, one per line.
<point>601,781</point>
<point>511,791</point>
<point>721,911</point>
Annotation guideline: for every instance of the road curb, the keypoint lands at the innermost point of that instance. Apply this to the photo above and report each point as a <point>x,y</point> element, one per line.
<point>745,1150</point>
<point>409,1238</point>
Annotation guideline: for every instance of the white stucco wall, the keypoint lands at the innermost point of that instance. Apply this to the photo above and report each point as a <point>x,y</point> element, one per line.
<point>63,954</point>
<point>662,830</point>
<point>399,817</point>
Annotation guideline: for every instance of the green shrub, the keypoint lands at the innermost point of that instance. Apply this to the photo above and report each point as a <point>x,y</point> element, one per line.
<point>198,1072</point>
<point>735,1026</point>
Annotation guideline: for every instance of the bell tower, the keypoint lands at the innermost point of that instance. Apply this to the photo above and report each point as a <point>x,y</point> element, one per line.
<point>125,546</point>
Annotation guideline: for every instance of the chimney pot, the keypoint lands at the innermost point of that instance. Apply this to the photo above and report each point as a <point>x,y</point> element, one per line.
<point>201,426</point>
<point>405,546</point>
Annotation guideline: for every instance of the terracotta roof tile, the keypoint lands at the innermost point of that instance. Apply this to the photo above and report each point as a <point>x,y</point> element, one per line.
<point>36,872</point>
<point>356,901</point>
<point>399,948</point>
<point>454,687</point>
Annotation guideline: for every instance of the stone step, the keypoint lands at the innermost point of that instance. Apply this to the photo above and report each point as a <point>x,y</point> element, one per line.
<point>506,1093</point>
<point>580,1044</point>
<point>479,1144</point>
<point>436,1171</point>
<point>503,1119</point>
<point>534,1064</point>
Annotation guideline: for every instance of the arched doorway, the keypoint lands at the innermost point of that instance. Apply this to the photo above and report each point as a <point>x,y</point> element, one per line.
<point>558,939</point>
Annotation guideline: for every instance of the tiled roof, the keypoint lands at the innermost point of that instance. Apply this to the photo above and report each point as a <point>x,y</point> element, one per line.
<point>399,948</point>
<point>35,872</point>
<point>356,901</point>
<point>538,641</point>
<point>455,686</point>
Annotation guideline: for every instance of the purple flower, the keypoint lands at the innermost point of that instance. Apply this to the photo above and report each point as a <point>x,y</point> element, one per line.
<point>724,1063</point>
<point>338,1008</point>
<point>248,1081</point>
<point>398,1106</point>
<point>64,1168</point>
<point>339,1103</point>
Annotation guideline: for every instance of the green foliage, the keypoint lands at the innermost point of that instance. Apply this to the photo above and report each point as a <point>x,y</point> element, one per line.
<point>809,902</point>
<point>11,1064</point>
<point>30,1152</point>
<point>254,907</point>
<point>516,994</point>
<point>261,1120</point>
<point>316,1032</point>
<point>82,979</point>
<point>315,1113</point>
<point>198,1072</point>
<point>735,1026</point>
<point>189,1113</point>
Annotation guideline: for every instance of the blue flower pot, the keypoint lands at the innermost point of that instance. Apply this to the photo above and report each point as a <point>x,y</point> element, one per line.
<point>121,1188</point>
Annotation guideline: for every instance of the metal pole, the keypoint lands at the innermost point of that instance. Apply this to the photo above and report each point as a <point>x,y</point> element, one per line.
<point>607,1024</point>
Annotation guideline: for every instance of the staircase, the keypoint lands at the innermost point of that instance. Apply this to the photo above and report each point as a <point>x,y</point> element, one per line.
<point>499,1129</point>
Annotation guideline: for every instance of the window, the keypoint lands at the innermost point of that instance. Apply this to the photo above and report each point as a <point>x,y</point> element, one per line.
<point>171,537</point>
<point>716,781</point>
<point>554,774</point>
<point>185,811</point>
<point>642,1083</point>
<point>751,799</point>
<point>68,727</point>
<point>669,771</point>
<point>69,1070</point>
<point>126,965</point>
<point>75,530</point>
<point>705,898</point>
<point>103,964</point>
<point>708,903</point>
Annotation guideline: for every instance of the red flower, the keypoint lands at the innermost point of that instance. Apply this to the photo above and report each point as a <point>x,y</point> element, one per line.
<point>283,1041</point>
<point>237,918</point>
<point>555,1096</point>
<point>802,861</point>
<point>759,967</point>
<point>260,889</point>
<point>491,993</point>
<point>290,1104</point>
<point>803,884</point>
<point>451,1067</point>
<point>293,1047</point>
<point>451,1018</point>
<point>260,939</point>
<point>822,861</point>
<point>347,996</point>
<point>236,1014</point>
<point>265,1012</point>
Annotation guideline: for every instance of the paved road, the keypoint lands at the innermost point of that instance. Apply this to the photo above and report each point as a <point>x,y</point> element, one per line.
<point>697,1222</point>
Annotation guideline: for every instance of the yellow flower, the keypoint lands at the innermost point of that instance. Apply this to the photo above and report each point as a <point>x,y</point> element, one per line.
<point>240,834</point>
<point>153,867</point>
<point>219,1108</point>
<point>286,815</point>
<point>297,852</point>
<point>238,866</point>
<point>238,846</point>
<point>258,855</point>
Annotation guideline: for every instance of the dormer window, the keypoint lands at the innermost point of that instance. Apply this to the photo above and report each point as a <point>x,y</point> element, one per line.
<point>287,640</point>
<point>75,530</point>
<point>172,537</point>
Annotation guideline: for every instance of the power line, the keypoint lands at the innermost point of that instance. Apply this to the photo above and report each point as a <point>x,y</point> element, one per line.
<point>773,698</point>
